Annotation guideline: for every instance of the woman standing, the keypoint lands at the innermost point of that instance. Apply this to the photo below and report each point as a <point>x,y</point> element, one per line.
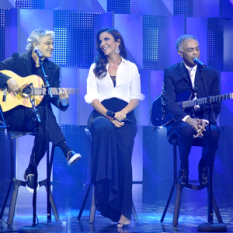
<point>113,84</point>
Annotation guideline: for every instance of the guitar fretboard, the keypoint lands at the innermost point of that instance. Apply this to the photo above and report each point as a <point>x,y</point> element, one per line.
<point>55,91</point>
<point>191,103</point>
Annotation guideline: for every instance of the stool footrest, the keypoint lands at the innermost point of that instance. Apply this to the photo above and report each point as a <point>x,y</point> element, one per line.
<point>18,182</point>
<point>194,187</point>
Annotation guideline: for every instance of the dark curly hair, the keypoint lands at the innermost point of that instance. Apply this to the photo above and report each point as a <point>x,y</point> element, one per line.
<point>101,59</point>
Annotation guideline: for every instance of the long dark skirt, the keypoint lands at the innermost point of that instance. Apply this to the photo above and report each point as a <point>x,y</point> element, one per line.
<point>111,161</point>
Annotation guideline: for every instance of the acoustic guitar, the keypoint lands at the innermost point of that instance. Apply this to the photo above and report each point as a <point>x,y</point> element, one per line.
<point>32,85</point>
<point>160,118</point>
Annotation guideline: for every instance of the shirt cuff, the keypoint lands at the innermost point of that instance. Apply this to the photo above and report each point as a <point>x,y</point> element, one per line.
<point>185,118</point>
<point>90,97</point>
<point>139,96</point>
<point>207,122</point>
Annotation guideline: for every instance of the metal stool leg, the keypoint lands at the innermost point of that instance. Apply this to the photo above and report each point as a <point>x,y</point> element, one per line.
<point>135,216</point>
<point>93,208</point>
<point>216,209</point>
<point>84,201</point>
<point>174,180</point>
<point>51,200</point>
<point>168,202</point>
<point>13,203</point>
<point>44,183</point>
<point>5,200</point>
<point>54,208</point>
<point>177,205</point>
<point>15,183</point>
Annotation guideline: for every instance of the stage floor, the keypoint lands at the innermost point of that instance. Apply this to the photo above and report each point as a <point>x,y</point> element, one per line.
<point>149,221</point>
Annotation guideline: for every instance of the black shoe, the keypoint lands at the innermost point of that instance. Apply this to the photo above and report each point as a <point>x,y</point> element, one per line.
<point>30,179</point>
<point>73,157</point>
<point>203,175</point>
<point>183,177</point>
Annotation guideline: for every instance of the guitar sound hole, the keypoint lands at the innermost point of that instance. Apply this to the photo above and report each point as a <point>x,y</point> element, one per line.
<point>26,90</point>
<point>24,95</point>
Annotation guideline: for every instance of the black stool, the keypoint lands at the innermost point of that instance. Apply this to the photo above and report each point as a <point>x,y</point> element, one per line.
<point>93,206</point>
<point>196,142</point>
<point>17,183</point>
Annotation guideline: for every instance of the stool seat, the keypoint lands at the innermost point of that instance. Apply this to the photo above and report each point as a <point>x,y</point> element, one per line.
<point>179,188</point>
<point>12,134</point>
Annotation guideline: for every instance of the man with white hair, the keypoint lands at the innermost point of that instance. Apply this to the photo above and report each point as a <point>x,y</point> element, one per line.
<point>22,118</point>
<point>191,122</point>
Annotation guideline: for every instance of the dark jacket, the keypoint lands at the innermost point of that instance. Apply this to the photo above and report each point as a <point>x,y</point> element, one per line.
<point>22,66</point>
<point>177,80</point>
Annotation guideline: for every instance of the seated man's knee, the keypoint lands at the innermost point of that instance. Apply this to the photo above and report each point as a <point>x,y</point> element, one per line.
<point>42,111</point>
<point>186,131</point>
<point>215,134</point>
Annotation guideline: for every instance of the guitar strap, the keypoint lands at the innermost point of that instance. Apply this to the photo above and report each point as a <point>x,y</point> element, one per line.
<point>2,120</point>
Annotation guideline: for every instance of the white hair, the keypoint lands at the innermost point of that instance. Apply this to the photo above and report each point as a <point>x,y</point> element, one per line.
<point>182,38</point>
<point>36,36</point>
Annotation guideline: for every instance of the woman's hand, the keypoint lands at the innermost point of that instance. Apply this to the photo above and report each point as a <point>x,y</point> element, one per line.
<point>117,123</point>
<point>120,116</point>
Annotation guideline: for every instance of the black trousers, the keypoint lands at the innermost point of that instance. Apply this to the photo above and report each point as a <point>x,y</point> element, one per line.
<point>23,119</point>
<point>111,162</point>
<point>185,133</point>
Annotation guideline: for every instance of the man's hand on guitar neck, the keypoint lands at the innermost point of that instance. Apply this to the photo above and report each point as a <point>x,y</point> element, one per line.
<point>64,97</point>
<point>13,86</point>
<point>198,125</point>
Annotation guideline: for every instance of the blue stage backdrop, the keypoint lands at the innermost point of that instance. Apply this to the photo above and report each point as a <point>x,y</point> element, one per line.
<point>2,34</point>
<point>150,29</point>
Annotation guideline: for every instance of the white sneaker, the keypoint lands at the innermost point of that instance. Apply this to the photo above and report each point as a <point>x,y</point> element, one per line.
<point>72,157</point>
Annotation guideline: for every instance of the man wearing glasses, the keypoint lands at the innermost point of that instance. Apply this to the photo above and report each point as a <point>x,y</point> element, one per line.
<point>21,118</point>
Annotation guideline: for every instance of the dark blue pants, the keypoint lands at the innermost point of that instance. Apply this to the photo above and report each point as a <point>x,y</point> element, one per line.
<point>23,119</point>
<point>185,133</point>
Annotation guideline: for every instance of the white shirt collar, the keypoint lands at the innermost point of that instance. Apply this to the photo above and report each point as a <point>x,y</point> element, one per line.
<point>122,61</point>
<point>189,68</point>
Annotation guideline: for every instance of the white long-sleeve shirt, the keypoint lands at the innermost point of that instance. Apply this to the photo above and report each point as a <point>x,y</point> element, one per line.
<point>128,85</point>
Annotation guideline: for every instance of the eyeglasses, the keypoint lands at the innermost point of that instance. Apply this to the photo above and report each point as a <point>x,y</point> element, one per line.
<point>49,44</point>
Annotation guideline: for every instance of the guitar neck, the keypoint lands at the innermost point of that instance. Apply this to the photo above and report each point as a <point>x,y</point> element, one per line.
<point>54,90</point>
<point>191,103</point>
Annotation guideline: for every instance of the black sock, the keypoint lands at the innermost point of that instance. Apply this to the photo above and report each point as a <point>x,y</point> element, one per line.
<point>65,149</point>
<point>30,170</point>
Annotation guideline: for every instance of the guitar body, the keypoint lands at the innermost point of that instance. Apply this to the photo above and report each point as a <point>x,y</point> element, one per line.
<point>11,100</point>
<point>36,91</point>
<point>159,117</point>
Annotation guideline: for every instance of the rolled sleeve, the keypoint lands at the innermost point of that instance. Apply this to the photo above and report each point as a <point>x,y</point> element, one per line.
<point>92,88</point>
<point>135,86</point>
<point>91,96</point>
